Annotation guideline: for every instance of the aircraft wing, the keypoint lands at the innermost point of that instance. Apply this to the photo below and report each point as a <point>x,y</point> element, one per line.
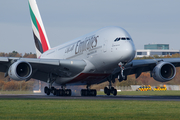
<point>42,68</point>
<point>155,66</point>
<point>139,66</point>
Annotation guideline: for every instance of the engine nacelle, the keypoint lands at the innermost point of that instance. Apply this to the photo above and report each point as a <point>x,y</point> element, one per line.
<point>164,72</point>
<point>20,70</point>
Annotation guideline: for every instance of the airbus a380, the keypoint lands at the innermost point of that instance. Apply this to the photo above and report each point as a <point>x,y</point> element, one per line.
<point>99,56</point>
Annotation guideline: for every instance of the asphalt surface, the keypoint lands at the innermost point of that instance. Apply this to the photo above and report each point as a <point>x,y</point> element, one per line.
<point>99,97</point>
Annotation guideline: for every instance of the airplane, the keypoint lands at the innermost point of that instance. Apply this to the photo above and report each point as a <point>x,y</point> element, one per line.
<point>94,58</point>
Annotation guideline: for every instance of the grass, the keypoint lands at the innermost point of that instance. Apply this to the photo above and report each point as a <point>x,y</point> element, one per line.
<point>146,93</point>
<point>34,109</point>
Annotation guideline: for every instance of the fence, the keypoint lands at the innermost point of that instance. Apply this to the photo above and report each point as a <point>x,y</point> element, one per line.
<point>169,87</point>
<point>134,87</point>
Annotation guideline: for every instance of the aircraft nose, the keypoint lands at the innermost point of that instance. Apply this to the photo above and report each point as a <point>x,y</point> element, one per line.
<point>128,51</point>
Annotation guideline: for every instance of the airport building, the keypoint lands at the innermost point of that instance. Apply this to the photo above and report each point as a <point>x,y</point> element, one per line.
<point>156,49</point>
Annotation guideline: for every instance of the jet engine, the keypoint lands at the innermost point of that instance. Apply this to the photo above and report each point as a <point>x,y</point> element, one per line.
<point>164,72</point>
<point>20,70</point>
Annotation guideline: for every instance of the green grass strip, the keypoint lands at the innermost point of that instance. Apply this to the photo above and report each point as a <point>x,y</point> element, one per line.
<point>34,109</point>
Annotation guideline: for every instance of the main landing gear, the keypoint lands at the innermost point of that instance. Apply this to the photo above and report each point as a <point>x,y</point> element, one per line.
<point>57,92</point>
<point>88,92</point>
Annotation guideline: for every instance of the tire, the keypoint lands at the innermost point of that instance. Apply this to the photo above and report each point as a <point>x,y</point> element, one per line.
<point>48,91</point>
<point>105,90</point>
<point>45,89</point>
<point>61,93</point>
<point>114,92</point>
<point>93,92</point>
<point>68,92</point>
<point>86,93</point>
<point>108,92</point>
<point>82,92</point>
<point>54,92</point>
<point>120,78</point>
<point>57,93</point>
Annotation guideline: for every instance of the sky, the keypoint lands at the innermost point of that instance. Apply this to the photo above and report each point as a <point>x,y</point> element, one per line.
<point>147,21</point>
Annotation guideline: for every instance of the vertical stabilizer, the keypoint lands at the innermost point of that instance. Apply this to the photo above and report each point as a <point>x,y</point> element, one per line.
<point>40,37</point>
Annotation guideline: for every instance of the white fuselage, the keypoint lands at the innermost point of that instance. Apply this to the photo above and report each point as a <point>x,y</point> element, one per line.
<point>102,50</point>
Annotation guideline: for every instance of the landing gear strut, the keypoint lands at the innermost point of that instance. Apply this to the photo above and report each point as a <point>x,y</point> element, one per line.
<point>88,92</point>
<point>121,75</point>
<point>110,90</point>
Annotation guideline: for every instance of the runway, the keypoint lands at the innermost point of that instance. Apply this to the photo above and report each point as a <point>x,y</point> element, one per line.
<point>99,97</point>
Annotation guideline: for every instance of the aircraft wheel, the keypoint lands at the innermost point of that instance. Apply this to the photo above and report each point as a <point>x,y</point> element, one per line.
<point>108,92</point>
<point>45,89</point>
<point>82,92</point>
<point>54,91</point>
<point>48,91</point>
<point>61,92</point>
<point>114,92</point>
<point>57,93</point>
<point>105,90</point>
<point>94,92</point>
<point>68,92</point>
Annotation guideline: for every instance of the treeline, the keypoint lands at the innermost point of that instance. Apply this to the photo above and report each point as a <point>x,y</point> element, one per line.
<point>16,54</point>
<point>7,84</point>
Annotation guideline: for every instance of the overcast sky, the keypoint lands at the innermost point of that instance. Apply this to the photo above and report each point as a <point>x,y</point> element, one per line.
<point>147,21</point>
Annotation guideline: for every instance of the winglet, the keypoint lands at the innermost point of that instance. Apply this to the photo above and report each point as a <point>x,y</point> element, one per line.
<point>40,37</point>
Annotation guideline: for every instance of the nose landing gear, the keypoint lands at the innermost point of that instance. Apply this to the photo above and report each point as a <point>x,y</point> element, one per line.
<point>110,90</point>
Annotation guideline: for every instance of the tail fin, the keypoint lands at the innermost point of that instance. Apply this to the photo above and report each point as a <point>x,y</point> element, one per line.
<point>40,37</point>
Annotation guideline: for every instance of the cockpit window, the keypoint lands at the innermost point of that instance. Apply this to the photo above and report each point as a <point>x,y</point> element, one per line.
<point>123,38</point>
<point>117,39</point>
